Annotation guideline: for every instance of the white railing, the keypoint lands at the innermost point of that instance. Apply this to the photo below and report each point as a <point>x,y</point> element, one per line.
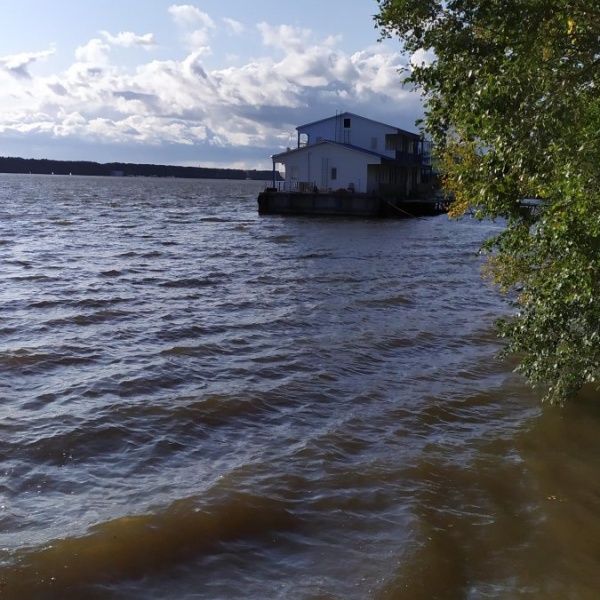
<point>296,186</point>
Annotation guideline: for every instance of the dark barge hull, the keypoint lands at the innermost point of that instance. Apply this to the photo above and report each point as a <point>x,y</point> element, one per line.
<point>347,205</point>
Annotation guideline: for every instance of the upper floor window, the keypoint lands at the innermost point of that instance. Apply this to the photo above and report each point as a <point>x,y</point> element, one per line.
<point>392,142</point>
<point>346,123</point>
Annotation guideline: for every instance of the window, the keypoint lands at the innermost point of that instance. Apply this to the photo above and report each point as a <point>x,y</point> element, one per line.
<point>333,173</point>
<point>391,142</point>
<point>346,123</point>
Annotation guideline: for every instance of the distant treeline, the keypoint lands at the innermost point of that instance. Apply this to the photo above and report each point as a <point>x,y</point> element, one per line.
<point>81,167</point>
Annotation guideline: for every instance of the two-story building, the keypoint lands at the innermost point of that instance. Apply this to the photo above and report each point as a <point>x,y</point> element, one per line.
<point>353,153</point>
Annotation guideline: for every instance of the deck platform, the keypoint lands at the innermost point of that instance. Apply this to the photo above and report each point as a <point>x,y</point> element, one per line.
<point>273,202</point>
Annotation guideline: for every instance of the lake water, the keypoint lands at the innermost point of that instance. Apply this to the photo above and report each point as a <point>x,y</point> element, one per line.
<point>201,403</point>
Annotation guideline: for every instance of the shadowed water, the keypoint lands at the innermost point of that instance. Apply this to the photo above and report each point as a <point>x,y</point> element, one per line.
<point>202,403</point>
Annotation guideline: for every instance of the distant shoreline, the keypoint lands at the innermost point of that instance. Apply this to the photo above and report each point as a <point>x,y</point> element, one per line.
<point>45,166</point>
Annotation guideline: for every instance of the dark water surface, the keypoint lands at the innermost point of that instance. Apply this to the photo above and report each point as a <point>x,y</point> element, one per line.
<point>202,403</point>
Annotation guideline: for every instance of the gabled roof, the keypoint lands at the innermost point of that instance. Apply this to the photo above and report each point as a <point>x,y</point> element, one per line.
<point>336,144</point>
<point>350,114</point>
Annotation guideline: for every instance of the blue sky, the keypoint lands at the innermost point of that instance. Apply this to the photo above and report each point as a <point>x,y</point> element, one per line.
<point>210,83</point>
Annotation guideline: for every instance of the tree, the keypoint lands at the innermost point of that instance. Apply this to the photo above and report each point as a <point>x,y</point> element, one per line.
<point>512,106</point>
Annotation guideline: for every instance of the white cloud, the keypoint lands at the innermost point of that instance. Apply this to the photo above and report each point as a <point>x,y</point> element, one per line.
<point>197,26</point>
<point>95,52</point>
<point>285,37</point>
<point>422,57</point>
<point>198,40</point>
<point>378,72</point>
<point>129,39</point>
<point>233,26</point>
<point>17,65</point>
<point>189,16</point>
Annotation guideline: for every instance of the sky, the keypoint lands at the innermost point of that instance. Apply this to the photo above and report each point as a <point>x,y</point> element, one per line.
<point>215,83</point>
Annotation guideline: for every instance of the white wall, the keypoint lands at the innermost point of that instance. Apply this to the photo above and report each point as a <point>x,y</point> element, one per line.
<point>313,165</point>
<point>363,133</point>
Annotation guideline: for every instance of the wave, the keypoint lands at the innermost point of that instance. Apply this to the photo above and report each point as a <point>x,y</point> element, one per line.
<point>132,547</point>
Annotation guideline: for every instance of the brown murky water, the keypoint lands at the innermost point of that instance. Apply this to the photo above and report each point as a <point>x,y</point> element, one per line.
<point>202,403</point>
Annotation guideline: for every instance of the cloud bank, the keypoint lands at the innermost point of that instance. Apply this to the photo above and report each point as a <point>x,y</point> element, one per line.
<point>182,112</point>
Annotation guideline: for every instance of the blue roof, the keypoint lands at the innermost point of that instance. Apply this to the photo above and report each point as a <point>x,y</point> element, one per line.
<point>350,114</point>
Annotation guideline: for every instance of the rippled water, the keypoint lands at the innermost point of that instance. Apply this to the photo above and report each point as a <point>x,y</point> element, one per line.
<point>202,403</point>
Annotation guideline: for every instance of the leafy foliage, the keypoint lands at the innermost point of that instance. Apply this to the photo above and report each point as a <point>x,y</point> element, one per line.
<point>512,106</point>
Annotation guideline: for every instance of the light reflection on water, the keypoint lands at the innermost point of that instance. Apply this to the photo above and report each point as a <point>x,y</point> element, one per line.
<point>202,403</point>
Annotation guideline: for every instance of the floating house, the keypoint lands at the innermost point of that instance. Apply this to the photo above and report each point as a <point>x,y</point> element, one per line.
<point>351,165</point>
